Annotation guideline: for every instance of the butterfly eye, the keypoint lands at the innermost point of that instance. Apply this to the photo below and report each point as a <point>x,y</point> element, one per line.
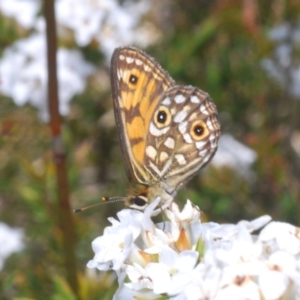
<point>138,202</point>
<point>162,117</point>
<point>133,79</point>
<point>198,130</point>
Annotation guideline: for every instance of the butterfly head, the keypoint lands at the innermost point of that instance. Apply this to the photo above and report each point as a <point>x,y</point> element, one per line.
<point>141,196</point>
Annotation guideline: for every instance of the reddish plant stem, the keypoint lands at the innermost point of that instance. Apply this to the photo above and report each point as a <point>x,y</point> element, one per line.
<point>65,213</point>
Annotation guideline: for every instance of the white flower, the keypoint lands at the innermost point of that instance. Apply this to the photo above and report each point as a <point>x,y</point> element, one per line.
<point>152,236</point>
<point>238,250</point>
<point>280,33</point>
<point>184,227</point>
<point>116,245</point>
<point>154,276</point>
<point>125,293</point>
<point>170,275</point>
<point>282,66</point>
<point>179,266</point>
<point>281,236</point>
<point>276,277</point>
<point>235,155</point>
<point>11,240</point>
<point>256,223</point>
<point>205,283</point>
<point>155,241</point>
<point>242,287</point>
<point>111,250</point>
<point>130,219</point>
<point>23,11</point>
<point>189,214</point>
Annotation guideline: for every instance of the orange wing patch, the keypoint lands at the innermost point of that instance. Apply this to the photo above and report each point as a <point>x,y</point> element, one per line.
<point>139,102</point>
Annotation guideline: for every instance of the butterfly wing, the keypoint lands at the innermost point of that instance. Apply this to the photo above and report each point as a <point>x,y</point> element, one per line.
<point>137,85</point>
<point>183,135</point>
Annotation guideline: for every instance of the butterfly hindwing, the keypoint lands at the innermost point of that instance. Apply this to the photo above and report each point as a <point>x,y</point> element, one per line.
<point>183,134</point>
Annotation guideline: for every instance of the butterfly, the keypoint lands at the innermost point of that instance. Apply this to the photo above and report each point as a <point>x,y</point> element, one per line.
<point>167,132</point>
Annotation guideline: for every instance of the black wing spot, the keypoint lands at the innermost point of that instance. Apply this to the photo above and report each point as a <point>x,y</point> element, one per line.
<point>198,130</point>
<point>161,117</point>
<point>133,79</point>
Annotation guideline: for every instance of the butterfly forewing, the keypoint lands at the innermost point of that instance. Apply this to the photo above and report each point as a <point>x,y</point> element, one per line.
<point>137,85</point>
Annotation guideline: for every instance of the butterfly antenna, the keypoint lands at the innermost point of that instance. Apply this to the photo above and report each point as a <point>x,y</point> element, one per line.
<point>105,200</point>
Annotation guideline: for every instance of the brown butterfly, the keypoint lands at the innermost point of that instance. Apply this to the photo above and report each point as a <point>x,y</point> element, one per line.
<point>167,132</point>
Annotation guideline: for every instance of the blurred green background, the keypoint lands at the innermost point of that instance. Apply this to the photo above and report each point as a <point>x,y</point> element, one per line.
<point>219,46</point>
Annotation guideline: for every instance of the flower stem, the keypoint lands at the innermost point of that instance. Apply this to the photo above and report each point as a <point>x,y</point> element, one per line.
<point>65,213</point>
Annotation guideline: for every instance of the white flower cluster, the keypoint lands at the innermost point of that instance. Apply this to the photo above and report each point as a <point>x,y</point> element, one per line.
<point>23,75</point>
<point>108,22</point>
<point>185,259</point>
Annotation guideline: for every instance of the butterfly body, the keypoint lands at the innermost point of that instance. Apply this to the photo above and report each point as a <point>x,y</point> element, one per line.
<point>167,132</point>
